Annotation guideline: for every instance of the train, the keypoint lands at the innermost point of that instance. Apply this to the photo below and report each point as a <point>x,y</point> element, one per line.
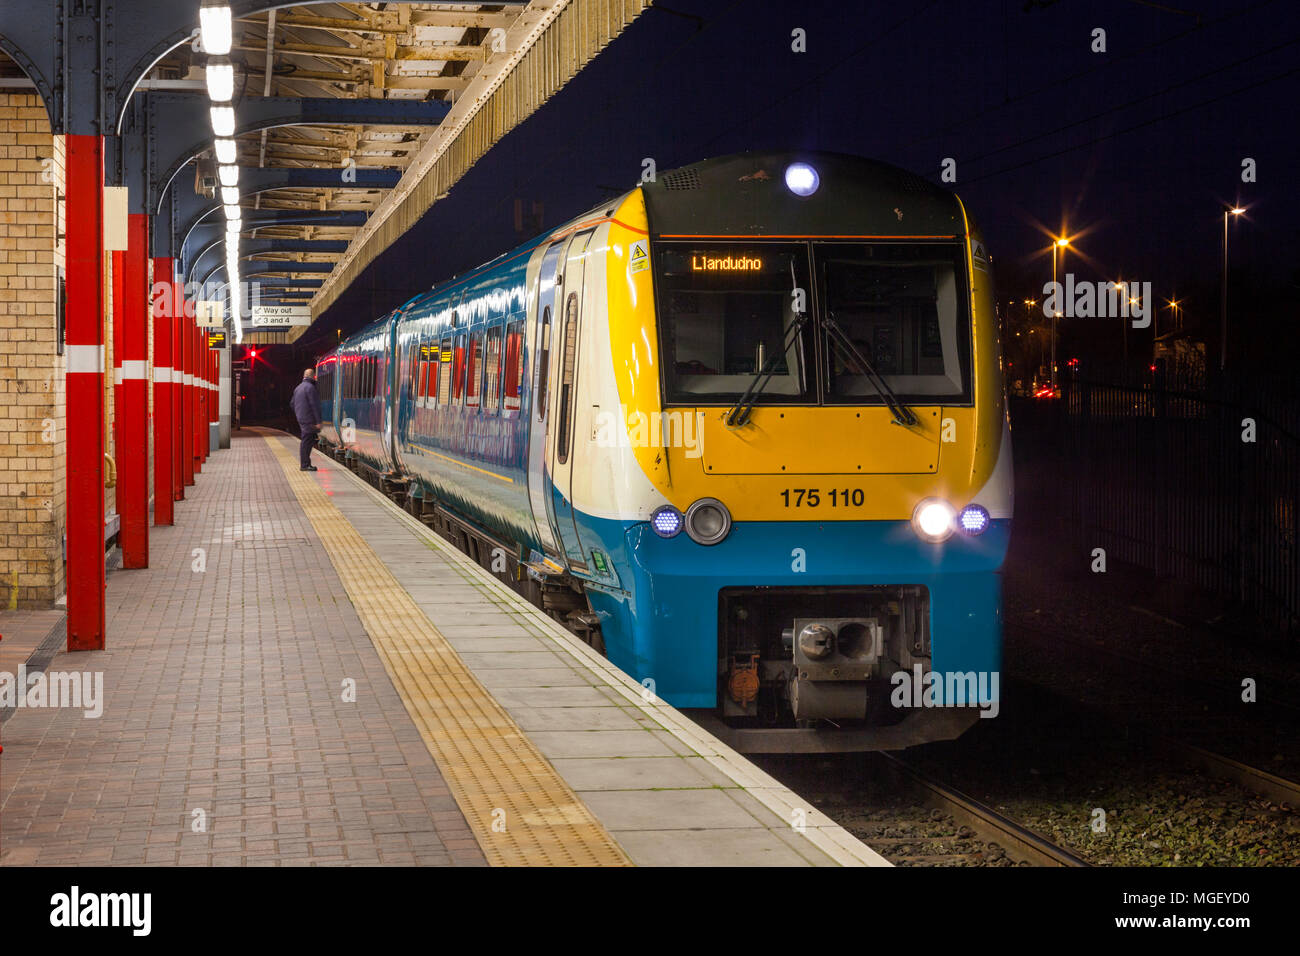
<point>742,428</point>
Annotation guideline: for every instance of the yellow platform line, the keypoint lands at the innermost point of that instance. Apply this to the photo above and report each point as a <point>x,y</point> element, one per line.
<point>519,809</point>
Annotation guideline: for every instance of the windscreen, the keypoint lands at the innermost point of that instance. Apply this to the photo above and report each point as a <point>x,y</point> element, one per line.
<point>903,307</point>
<point>725,309</point>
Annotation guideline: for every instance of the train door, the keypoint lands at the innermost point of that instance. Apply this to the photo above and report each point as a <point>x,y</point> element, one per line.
<point>564,449</point>
<point>543,338</point>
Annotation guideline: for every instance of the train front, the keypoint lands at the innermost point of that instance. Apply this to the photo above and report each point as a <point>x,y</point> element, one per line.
<point>808,368</point>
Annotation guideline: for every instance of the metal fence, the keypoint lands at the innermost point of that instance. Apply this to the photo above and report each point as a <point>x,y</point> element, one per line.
<point>1195,482</point>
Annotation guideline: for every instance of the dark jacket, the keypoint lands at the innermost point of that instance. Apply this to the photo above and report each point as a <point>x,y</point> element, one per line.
<point>306,404</point>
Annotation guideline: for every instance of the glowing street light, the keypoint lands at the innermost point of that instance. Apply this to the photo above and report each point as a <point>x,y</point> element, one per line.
<point>1059,243</point>
<point>1223,294</point>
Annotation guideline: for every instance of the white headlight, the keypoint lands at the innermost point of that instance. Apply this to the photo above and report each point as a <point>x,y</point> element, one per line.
<point>933,519</point>
<point>708,521</point>
<point>801,179</point>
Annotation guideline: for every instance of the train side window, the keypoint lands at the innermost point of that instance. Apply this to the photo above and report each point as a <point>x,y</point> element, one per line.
<point>444,367</point>
<point>514,364</point>
<point>543,363</point>
<point>430,386</point>
<point>458,375</point>
<point>474,370</point>
<point>492,369</point>
<point>566,377</point>
<point>411,360</point>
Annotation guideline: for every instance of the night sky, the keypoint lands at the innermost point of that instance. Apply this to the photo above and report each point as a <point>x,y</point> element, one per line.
<point>1131,152</point>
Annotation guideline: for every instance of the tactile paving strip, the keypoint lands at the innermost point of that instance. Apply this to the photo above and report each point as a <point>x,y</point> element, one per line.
<point>488,762</point>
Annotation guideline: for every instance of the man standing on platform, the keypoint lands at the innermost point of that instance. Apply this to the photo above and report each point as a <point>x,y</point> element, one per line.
<point>306,406</point>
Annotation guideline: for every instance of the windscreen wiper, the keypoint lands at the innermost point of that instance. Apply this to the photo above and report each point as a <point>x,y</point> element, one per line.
<point>902,414</point>
<point>739,413</point>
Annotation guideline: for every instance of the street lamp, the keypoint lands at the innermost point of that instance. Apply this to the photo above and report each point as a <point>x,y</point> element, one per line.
<point>1058,244</point>
<point>1223,296</point>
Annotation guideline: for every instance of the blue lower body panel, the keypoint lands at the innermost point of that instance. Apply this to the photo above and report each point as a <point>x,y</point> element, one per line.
<point>662,624</point>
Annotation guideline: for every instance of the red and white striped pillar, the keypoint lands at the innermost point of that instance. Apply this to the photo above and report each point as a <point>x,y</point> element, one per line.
<point>164,306</point>
<point>84,171</point>
<point>187,392</point>
<point>212,391</point>
<point>178,390</point>
<point>196,398</point>
<point>132,361</point>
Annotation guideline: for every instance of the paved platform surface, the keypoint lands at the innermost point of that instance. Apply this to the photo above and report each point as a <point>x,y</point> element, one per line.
<point>224,693</point>
<point>22,632</point>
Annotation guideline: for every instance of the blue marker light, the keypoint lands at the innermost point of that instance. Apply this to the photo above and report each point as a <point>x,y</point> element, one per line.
<point>666,521</point>
<point>973,519</point>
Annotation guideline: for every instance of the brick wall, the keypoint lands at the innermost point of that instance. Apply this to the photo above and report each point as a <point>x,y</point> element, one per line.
<point>32,433</point>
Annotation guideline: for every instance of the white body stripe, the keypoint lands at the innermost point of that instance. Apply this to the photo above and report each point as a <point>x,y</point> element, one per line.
<point>162,375</point>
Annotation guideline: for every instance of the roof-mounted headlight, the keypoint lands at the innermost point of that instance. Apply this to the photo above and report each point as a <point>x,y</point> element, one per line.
<point>801,179</point>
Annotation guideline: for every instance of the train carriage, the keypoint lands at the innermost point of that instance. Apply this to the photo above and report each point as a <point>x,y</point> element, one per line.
<point>743,428</point>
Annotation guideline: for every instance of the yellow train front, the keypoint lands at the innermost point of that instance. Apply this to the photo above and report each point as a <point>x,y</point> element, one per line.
<point>808,371</point>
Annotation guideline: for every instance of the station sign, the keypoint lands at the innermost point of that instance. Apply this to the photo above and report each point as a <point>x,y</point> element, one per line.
<point>283,315</point>
<point>217,339</point>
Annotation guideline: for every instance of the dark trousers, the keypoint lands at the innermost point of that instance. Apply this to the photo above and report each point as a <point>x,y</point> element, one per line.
<point>308,439</point>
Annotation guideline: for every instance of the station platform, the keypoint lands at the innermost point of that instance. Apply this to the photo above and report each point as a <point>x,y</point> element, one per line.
<point>306,675</point>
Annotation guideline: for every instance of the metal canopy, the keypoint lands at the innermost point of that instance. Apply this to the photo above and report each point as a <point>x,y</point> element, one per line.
<point>352,119</point>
